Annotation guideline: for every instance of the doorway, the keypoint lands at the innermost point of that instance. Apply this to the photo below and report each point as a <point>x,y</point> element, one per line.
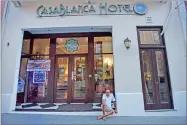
<point>71,79</point>
<point>81,67</point>
<point>154,69</point>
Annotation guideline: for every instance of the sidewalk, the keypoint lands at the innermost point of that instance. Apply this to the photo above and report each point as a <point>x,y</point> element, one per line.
<point>34,119</point>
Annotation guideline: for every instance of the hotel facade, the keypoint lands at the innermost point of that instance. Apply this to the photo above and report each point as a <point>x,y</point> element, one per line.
<point>61,56</point>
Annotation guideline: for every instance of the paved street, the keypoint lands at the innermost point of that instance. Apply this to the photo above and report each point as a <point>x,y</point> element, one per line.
<point>33,119</point>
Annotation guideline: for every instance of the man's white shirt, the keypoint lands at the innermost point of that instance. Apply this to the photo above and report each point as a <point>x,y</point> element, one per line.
<point>108,100</point>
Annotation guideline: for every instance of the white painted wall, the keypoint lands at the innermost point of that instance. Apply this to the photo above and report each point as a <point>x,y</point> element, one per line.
<point>182,10</point>
<point>126,62</point>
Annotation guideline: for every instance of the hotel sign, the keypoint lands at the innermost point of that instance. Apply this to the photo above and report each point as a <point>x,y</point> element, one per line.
<point>92,9</point>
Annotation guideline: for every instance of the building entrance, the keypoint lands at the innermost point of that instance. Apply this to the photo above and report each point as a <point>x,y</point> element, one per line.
<point>81,67</point>
<point>71,79</point>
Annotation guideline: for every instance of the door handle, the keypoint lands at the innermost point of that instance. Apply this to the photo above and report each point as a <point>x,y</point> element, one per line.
<point>72,75</point>
<point>89,75</point>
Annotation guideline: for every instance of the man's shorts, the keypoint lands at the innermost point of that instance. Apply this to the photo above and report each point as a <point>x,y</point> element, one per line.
<point>108,109</point>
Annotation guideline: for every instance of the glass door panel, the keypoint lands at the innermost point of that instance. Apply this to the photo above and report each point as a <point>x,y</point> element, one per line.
<point>62,79</point>
<point>148,75</point>
<point>41,46</point>
<point>161,80</point>
<point>79,77</point>
<point>156,88</point>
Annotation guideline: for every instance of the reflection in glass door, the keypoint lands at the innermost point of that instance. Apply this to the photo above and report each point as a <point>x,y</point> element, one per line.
<point>61,92</point>
<point>161,80</point>
<point>70,79</point>
<point>148,77</point>
<point>79,78</point>
<point>156,88</point>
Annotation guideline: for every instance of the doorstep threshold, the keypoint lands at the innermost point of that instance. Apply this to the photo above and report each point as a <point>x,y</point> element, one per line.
<point>95,113</point>
<point>54,110</point>
<point>160,110</point>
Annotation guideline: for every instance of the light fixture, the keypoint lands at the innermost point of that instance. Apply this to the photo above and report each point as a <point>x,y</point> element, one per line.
<point>127,43</point>
<point>108,61</point>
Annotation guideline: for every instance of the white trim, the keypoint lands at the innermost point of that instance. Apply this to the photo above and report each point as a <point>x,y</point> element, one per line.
<point>17,3</point>
<point>93,113</point>
<point>6,94</point>
<point>5,13</point>
<point>182,15</point>
<point>75,29</point>
<point>129,93</point>
<point>180,91</point>
<point>5,10</point>
<point>161,110</point>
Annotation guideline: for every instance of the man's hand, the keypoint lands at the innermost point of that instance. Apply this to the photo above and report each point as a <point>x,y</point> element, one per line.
<point>104,104</point>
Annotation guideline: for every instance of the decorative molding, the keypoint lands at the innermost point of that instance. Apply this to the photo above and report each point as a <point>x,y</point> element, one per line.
<point>17,4</point>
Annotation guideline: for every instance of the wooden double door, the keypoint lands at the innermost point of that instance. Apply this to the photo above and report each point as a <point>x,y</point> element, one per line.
<point>157,94</point>
<point>71,79</point>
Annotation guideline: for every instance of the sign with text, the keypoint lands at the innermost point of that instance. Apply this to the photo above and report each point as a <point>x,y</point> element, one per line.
<point>38,65</point>
<point>92,9</point>
<point>39,77</point>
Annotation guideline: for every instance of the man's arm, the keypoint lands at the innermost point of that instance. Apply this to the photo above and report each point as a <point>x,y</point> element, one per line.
<point>103,100</point>
<point>103,105</point>
<point>114,102</point>
<point>115,106</point>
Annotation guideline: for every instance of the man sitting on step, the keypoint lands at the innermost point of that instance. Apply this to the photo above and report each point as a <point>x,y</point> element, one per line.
<point>107,100</point>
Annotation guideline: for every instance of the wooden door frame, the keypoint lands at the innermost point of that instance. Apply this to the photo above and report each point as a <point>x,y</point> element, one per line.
<point>70,98</point>
<point>52,56</point>
<point>152,48</point>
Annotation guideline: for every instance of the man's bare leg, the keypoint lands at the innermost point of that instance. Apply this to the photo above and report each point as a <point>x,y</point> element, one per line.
<point>107,114</point>
<point>103,109</point>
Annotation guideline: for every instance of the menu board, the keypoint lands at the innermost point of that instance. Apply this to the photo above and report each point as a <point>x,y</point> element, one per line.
<point>39,77</point>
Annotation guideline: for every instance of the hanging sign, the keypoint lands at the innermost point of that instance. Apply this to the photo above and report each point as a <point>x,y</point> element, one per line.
<point>38,65</point>
<point>91,9</point>
<point>39,77</point>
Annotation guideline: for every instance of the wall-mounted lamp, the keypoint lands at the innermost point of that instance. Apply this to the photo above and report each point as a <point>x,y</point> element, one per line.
<point>127,43</point>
